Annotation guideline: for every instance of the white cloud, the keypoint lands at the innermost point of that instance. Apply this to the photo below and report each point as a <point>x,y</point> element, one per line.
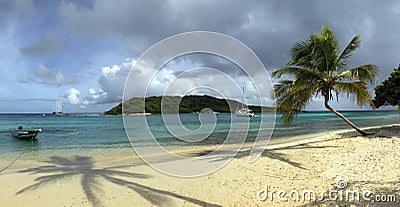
<point>110,85</point>
<point>46,76</point>
<point>166,81</point>
<point>72,95</point>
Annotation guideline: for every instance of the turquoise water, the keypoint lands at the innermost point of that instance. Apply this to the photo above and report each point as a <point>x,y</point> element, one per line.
<point>97,133</point>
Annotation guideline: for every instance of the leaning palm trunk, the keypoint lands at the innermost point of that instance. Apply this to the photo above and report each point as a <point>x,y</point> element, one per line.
<point>364,133</point>
<point>319,70</point>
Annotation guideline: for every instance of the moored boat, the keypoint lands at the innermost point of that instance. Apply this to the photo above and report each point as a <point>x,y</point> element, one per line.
<point>58,108</point>
<point>25,134</point>
<point>243,109</point>
<point>245,112</point>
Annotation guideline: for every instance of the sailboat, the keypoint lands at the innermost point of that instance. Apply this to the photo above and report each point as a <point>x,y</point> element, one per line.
<point>243,110</point>
<point>58,108</point>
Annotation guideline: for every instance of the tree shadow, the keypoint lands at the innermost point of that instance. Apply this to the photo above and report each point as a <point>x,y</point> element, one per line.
<point>61,168</point>
<point>270,153</point>
<point>380,189</point>
<point>382,132</point>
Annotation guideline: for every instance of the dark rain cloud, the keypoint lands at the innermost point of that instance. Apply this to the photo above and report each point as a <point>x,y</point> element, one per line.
<point>268,27</point>
<point>89,28</point>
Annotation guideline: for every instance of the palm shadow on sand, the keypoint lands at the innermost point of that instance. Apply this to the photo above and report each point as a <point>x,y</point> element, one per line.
<point>275,154</point>
<point>61,168</point>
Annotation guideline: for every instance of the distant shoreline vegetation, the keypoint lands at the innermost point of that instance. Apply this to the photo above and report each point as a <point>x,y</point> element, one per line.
<point>187,104</point>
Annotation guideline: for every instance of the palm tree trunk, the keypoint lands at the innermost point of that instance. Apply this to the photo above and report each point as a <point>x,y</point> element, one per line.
<point>362,132</point>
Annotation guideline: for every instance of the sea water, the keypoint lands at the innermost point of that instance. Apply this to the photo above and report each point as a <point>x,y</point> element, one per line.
<point>96,135</point>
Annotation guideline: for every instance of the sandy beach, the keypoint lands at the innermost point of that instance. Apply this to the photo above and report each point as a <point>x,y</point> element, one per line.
<point>331,161</point>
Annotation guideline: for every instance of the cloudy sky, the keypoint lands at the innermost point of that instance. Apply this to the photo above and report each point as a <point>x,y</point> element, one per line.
<point>82,51</point>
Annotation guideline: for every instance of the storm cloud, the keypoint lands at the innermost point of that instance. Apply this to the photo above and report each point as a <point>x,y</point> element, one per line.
<point>106,33</point>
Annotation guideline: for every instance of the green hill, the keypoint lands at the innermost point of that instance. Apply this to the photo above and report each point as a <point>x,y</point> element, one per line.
<point>187,104</point>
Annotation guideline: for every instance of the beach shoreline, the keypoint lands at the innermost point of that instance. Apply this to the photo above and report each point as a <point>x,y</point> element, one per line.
<point>315,162</point>
<point>126,153</point>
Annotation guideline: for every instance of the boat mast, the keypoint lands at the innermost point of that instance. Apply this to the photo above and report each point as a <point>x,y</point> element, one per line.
<point>59,102</point>
<point>58,108</point>
<point>244,99</point>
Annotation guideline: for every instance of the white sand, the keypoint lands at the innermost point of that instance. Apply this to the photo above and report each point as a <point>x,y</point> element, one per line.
<point>315,163</point>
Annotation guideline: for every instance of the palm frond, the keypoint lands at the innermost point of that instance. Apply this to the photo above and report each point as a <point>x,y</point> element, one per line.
<point>297,71</point>
<point>309,78</point>
<point>286,70</point>
<point>357,91</point>
<point>292,98</point>
<point>365,73</point>
<point>303,48</point>
<point>300,49</point>
<point>282,88</point>
<point>342,61</point>
<point>326,47</point>
<point>317,51</point>
<point>302,52</point>
<point>287,117</point>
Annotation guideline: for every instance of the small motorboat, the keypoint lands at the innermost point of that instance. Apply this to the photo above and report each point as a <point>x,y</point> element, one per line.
<point>25,134</point>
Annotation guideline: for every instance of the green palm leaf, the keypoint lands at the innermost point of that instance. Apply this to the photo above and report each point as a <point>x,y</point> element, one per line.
<point>357,91</point>
<point>342,61</point>
<point>365,73</point>
<point>318,69</point>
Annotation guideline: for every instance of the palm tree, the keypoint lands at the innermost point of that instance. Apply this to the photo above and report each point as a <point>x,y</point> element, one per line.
<point>318,69</point>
